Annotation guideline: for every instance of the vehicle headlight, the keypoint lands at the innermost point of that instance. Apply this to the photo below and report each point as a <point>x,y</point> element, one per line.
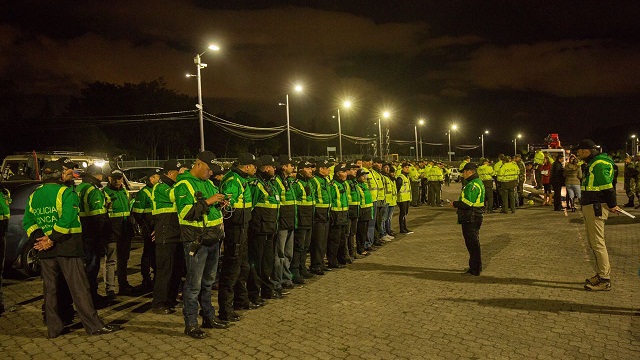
<point>99,163</point>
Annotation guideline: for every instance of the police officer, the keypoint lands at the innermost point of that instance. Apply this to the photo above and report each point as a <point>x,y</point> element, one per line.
<point>470,207</point>
<point>142,213</point>
<point>486,174</point>
<point>598,200</point>
<point>403,185</point>
<point>283,181</point>
<point>435,176</point>
<point>507,182</point>
<point>366,212</point>
<point>381,203</point>
<point>354,210</point>
<point>198,204</point>
<point>235,256</point>
<point>304,222</point>
<point>339,218</point>
<point>521,177</point>
<point>52,220</point>
<point>170,259</point>
<point>5,214</point>
<point>262,230</point>
<point>94,219</point>
<point>119,244</point>
<point>322,201</point>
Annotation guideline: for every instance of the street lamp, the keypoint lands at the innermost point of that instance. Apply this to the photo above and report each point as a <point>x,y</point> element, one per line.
<point>297,88</point>
<point>386,115</point>
<point>415,128</point>
<point>346,104</point>
<point>515,143</point>
<point>453,127</point>
<point>482,140</point>
<point>634,145</point>
<point>199,66</point>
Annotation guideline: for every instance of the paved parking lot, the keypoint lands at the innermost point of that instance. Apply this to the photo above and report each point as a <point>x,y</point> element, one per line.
<point>407,300</point>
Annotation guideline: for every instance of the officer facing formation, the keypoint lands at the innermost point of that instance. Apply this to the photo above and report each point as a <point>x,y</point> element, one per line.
<point>142,213</point>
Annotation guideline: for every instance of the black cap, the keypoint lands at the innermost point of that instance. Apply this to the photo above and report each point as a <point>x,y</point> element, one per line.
<point>470,166</point>
<point>353,165</point>
<point>207,157</point>
<point>265,160</point>
<point>378,160</point>
<point>332,160</point>
<point>246,159</point>
<point>67,162</point>
<point>366,157</point>
<point>284,160</point>
<point>405,164</point>
<point>361,172</point>
<point>217,169</point>
<point>52,166</point>
<point>172,164</point>
<point>94,170</point>
<point>339,168</point>
<point>587,144</point>
<point>155,171</point>
<point>116,173</point>
<point>305,164</point>
<point>323,163</point>
<point>312,161</point>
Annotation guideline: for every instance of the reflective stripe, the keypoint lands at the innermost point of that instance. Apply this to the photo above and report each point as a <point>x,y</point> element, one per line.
<point>323,205</point>
<point>141,211</point>
<point>478,202</point>
<point>205,218</point>
<point>242,205</point>
<point>209,223</point>
<point>166,210</point>
<point>266,203</point>
<point>590,186</point>
<point>354,203</point>
<point>87,206</point>
<point>340,209</point>
<point>32,228</point>
<point>405,189</point>
<point>365,206</point>
<point>283,194</point>
<point>163,210</point>
<point>59,201</point>
<point>267,206</point>
<point>119,214</point>
<point>62,230</point>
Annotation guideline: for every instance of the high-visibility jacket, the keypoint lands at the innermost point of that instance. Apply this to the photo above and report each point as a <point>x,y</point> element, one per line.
<point>321,197</point>
<point>119,200</point>
<point>286,191</point>
<point>473,193</point>
<point>414,175</point>
<point>497,166</point>
<point>435,174</point>
<point>92,197</point>
<point>375,184</point>
<point>304,202</point>
<point>142,203</point>
<point>597,183</point>
<point>339,197</point>
<point>391,192</point>
<point>164,211</point>
<point>538,158</point>
<point>52,210</point>
<point>234,184</point>
<point>5,201</point>
<point>486,172</point>
<point>404,194</point>
<point>197,219</point>
<point>508,172</point>
<point>366,202</point>
<point>266,204</point>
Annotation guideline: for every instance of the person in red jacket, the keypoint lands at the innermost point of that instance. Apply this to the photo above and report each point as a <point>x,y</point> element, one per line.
<point>545,170</point>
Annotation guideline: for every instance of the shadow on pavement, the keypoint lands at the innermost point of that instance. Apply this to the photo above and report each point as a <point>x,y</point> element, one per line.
<point>493,248</point>
<point>455,275</point>
<point>549,305</point>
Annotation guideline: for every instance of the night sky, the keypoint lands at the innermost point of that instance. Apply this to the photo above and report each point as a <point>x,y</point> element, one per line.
<point>529,67</point>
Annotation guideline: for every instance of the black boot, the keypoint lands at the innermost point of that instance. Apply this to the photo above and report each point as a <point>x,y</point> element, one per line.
<point>630,203</point>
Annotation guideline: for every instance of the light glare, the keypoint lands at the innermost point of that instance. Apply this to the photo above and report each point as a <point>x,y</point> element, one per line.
<point>214,47</point>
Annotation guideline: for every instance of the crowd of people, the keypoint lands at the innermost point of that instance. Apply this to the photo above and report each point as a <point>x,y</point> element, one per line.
<point>247,230</point>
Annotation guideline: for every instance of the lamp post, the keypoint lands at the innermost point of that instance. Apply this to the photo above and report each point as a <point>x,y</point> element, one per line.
<point>199,65</point>
<point>482,140</point>
<point>453,127</point>
<point>421,122</point>
<point>386,115</point>
<point>415,128</point>
<point>515,143</point>
<point>634,145</point>
<point>346,104</point>
<point>297,88</point>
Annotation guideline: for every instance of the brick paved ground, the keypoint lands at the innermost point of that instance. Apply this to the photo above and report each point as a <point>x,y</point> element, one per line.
<point>408,300</point>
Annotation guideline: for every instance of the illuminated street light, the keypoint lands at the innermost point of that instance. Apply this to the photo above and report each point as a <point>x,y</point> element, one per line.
<point>346,105</point>
<point>453,128</point>
<point>297,88</point>
<point>421,122</point>
<point>386,115</point>
<point>482,140</point>
<point>515,143</point>
<point>200,66</point>
<point>634,145</point>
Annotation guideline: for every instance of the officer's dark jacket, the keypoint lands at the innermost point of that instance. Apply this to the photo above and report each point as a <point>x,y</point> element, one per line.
<point>166,225</point>
<point>264,216</point>
<point>287,214</point>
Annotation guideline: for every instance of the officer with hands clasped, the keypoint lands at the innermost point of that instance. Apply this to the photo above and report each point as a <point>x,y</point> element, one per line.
<point>470,207</point>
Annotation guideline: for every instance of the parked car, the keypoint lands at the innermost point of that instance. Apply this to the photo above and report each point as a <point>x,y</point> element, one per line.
<point>455,174</point>
<point>20,254</point>
<point>135,177</point>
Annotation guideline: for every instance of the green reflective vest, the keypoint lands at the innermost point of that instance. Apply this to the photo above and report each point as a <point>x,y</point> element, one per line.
<point>5,201</point>
<point>264,194</point>
<point>119,200</point>
<point>339,197</point>
<point>92,199</point>
<point>473,193</point>
<point>163,199</point>
<point>52,206</point>
<point>322,197</point>
<point>185,194</point>
<point>354,194</point>
<point>375,184</point>
<point>600,174</point>
<point>235,186</point>
<point>366,201</point>
<point>405,190</point>
<point>391,192</point>
<point>142,203</point>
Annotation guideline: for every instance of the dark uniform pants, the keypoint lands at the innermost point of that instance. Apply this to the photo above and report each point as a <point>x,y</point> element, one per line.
<point>170,267</point>
<point>415,193</point>
<point>508,195</point>
<point>351,240</point>
<point>435,187</point>
<point>93,228</point>
<point>72,269</point>
<point>301,242</point>
<point>318,245</point>
<point>235,267</point>
<point>361,234</point>
<point>471,232</point>
<point>148,259</point>
<point>336,244</point>
<point>402,216</point>
<point>261,254</point>
<point>488,191</point>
